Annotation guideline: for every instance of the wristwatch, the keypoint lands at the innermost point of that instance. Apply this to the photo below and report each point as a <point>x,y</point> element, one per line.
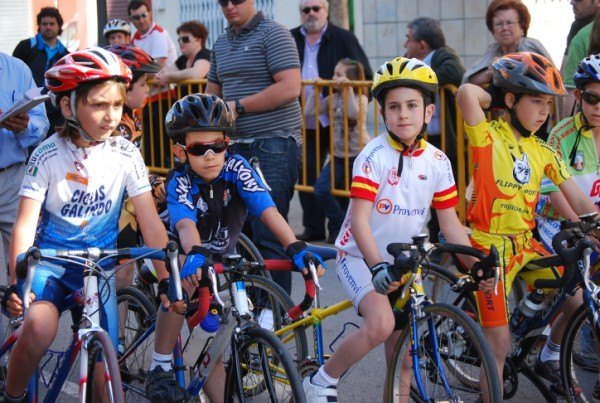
<point>239,108</point>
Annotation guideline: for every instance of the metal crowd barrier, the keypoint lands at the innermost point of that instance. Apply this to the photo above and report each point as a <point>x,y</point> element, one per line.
<point>156,146</point>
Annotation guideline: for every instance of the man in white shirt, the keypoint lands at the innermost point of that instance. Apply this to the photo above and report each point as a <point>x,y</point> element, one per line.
<point>151,37</point>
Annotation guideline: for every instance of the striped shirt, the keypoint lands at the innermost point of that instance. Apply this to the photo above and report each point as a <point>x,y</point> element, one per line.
<point>244,62</point>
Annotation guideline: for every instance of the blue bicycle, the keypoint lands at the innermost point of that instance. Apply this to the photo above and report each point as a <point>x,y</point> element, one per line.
<point>99,376</point>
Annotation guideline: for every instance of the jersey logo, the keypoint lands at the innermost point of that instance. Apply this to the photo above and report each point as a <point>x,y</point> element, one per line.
<point>578,161</point>
<point>182,190</point>
<point>595,189</point>
<point>438,155</point>
<point>422,177</point>
<point>73,177</point>
<point>366,167</point>
<point>521,169</point>
<point>384,206</point>
<point>393,178</point>
<point>78,165</point>
<point>31,170</point>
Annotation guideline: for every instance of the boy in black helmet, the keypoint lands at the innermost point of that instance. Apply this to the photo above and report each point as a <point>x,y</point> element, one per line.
<point>208,197</point>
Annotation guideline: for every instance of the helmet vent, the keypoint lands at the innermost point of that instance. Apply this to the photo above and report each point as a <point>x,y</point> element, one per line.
<point>85,61</point>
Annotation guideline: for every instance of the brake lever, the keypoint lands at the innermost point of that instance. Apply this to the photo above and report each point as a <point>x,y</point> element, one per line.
<point>313,272</point>
<point>212,276</point>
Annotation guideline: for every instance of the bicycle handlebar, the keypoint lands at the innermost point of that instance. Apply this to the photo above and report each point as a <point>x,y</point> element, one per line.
<point>569,255</point>
<point>28,261</point>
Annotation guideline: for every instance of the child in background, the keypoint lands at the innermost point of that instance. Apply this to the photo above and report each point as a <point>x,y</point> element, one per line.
<point>345,71</point>
<point>76,179</point>
<point>508,164</point>
<point>130,128</point>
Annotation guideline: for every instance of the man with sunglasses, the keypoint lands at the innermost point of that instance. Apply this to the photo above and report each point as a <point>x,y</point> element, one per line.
<point>256,70</point>
<point>151,37</point>
<point>320,45</point>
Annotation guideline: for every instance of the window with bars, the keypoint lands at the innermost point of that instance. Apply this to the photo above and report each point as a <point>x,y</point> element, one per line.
<point>209,13</point>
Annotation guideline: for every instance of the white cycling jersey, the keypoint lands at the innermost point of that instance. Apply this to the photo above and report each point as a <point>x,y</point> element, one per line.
<point>82,190</point>
<point>400,201</point>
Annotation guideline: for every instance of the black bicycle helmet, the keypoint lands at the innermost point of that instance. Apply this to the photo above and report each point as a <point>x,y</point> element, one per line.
<point>135,58</point>
<point>198,112</point>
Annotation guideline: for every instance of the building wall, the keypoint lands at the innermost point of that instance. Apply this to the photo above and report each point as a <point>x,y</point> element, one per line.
<point>463,21</point>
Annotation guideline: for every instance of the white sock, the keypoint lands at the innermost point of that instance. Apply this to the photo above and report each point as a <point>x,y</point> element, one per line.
<point>161,360</point>
<point>551,352</point>
<point>322,379</point>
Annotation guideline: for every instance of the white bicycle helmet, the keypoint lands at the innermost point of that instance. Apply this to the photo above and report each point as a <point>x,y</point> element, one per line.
<point>588,71</point>
<point>117,25</point>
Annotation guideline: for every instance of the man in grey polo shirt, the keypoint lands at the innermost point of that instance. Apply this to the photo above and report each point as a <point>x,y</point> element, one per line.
<point>256,69</point>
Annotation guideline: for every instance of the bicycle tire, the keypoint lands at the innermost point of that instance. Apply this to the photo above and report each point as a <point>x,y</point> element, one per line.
<point>460,342</point>
<point>266,294</point>
<point>579,359</point>
<point>140,314</point>
<point>261,370</point>
<point>101,351</point>
<point>246,248</point>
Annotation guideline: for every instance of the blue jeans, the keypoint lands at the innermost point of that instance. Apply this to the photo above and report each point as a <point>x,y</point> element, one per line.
<point>333,210</point>
<point>279,159</point>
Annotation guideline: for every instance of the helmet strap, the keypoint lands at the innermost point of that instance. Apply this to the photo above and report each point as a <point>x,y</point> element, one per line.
<point>73,122</point>
<point>514,120</point>
<point>399,142</point>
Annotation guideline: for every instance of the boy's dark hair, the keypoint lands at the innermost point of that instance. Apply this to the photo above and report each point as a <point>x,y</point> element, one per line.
<point>195,28</point>
<point>50,12</point>
<point>135,4</point>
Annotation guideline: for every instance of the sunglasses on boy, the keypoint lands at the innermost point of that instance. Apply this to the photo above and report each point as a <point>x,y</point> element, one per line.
<point>224,3</point>
<point>316,9</point>
<point>202,149</point>
<point>590,98</point>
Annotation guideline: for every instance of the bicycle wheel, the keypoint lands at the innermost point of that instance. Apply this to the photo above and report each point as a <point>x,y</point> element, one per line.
<point>580,359</point>
<point>439,282</point>
<point>260,370</point>
<point>269,306</point>
<point>139,316</point>
<point>103,380</point>
<point>450,348</point>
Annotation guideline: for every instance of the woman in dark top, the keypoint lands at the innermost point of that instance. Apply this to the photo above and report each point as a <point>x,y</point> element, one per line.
<point>194,61</point>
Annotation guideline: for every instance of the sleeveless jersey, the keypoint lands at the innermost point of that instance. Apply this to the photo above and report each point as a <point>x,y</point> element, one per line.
<point>82,190</point>
<point>401,202</point>
<point>507,175</point>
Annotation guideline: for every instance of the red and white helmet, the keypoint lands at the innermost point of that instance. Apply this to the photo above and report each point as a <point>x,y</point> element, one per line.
<point>85,66</point>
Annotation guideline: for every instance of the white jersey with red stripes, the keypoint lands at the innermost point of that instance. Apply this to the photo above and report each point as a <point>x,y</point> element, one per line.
<point>401,201</point>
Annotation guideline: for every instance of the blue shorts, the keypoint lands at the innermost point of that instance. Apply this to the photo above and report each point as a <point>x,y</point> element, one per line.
<point>56,284</point>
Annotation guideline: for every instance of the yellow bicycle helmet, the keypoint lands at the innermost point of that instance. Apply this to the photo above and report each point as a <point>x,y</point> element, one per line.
<point>404,72</point>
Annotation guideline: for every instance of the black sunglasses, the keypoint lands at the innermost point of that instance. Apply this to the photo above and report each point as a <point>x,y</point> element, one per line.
<point>184,39</point>
<point>590,98</point>
<point>223,3</point>
<point>316,9</point>
<point>201,149</point>
<point>137,17</point>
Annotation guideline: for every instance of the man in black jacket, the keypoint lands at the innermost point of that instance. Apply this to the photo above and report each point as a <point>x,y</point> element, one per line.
<point>320,46</point>
<point>425,41</point>
<point>41,52</point>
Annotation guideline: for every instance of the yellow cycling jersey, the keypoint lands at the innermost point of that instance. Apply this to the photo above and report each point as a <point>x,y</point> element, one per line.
<point>507,175</point>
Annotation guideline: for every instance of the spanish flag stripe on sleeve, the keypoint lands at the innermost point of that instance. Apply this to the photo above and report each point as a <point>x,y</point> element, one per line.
<point>363,188</point>
<point>445,199</point>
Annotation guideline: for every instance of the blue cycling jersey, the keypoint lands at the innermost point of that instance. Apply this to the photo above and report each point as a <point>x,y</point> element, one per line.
<point>218,208</point>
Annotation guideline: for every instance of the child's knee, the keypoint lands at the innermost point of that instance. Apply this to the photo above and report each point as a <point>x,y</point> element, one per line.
<point>379,329</point>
